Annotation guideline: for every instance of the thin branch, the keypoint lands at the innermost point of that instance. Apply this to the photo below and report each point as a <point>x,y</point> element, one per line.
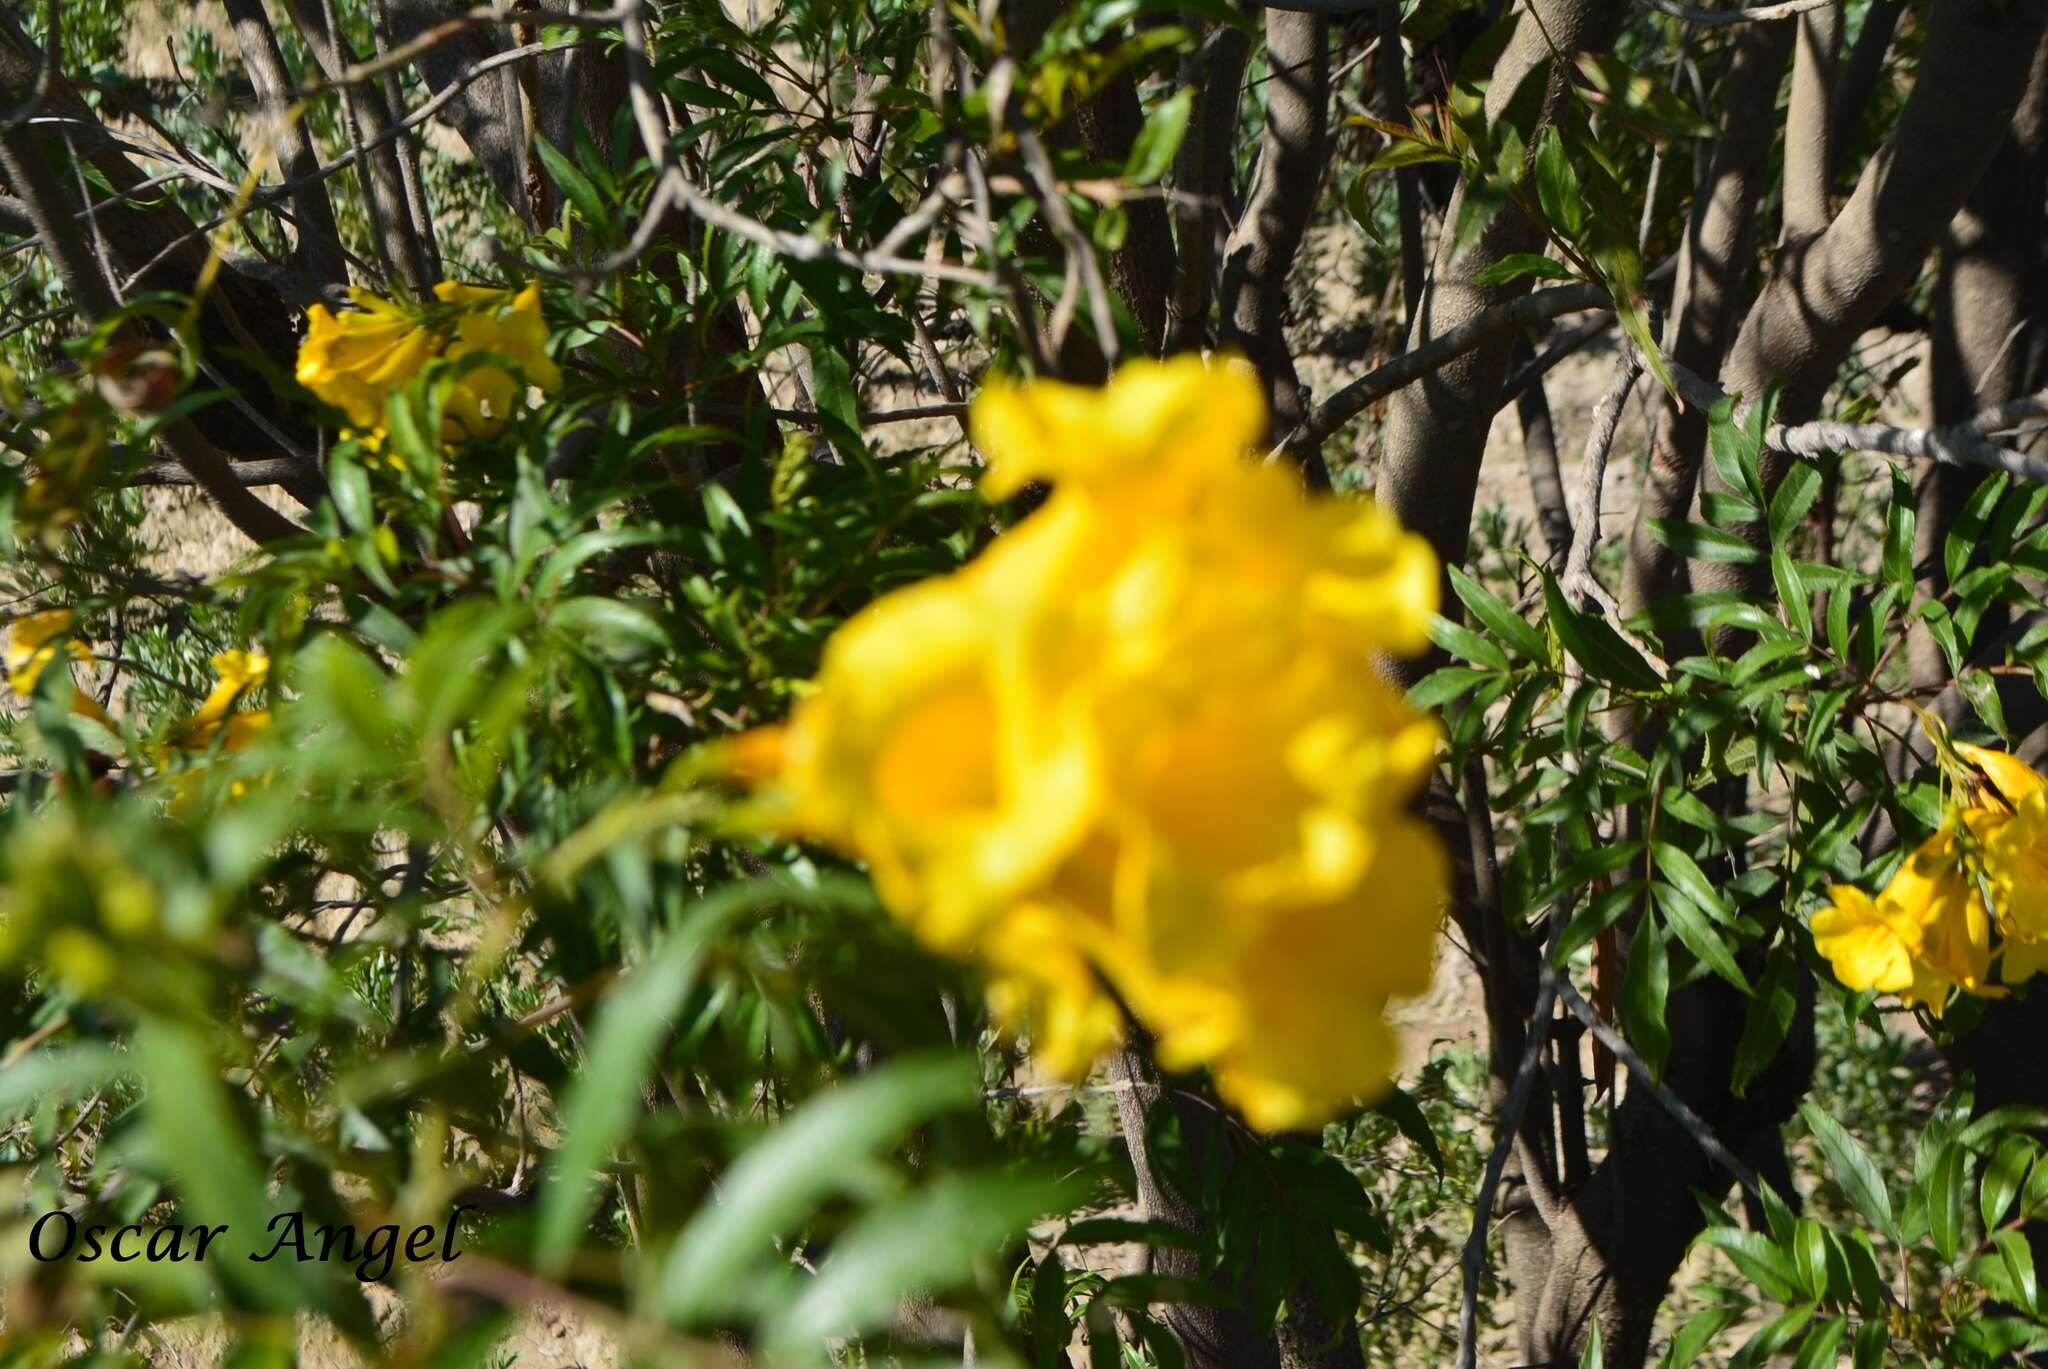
<point>1080,252</point>
<point>1509,1127</point>
<point>1340,408</point>
<point>1579,583</point>
<point>1641,1073</point>
<point>1692,14</point>
<point>30,174</point>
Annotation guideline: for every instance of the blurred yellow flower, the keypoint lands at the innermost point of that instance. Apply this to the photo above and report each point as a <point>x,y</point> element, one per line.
<point>353,359</point>
<point>32,646</point>
<point>1139,750</point>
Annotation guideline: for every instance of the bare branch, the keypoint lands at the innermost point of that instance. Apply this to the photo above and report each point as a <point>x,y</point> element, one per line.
<point>1506,1130</point>
<point>1807,125</point>
<point>22,157</point>
<point>1340,408</point>
<point>1641,1075</point>
<point>1578,583</point>
<point>1692,14</point>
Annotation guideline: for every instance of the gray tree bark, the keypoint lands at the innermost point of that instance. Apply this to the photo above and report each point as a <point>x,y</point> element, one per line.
<point>1436,429</point>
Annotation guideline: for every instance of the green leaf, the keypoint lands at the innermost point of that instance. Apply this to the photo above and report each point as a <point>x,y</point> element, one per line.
<point>928,1241</point>
<point>1873,1341</point>
<point>1409,151</point>
<point>1822,1345</point>
<point>1440,687</point>
<point>1463,642</point>
<point>1734,451</point>
<point>350,488</point>
<point>1796,493</point>
<point>1557,186</point>
<point>1158,142</point>
<point>1517,265</point>
<point>1967,533</point>
<point>1698,542</point>
<point>1496,617</point>
<point>1689,1346</point>
<point>74,1070</point>
<point>832,390</point>
<point>2018,1258</point>
<point>1644,990</point>
<point>1682,872</point>
<point>604,1098</point>
<point>196,1131</point>
<point>1602,912</point>
<point>1898,537</point>
<point>1698,934</point>
<point>1051,1328</point>
<point>1595,1357</point>
<point>1596,645</point>
<point>1981,690</point>
<point>590,205</point>
<point>812,1154</point>
<point>1769,1017</point>
<point>1400,1108</point>
<point>2003,1177</point>
<point>1854,1171</point>
<point>1945,1206</point>
<point>1759,1259</point>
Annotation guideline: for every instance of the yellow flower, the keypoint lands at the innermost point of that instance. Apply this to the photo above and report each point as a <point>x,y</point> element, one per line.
<point>1040,980</point>
<point>216,724</point>
<point>1046,430</point>
<point>2011,777</point>
<point>354,359</point>
<point>2010,828</point>
<point>1868,947</point>
<point>1142,743</point>
<point>236,672</point>
<point>1927,934</point>
<point>32,645</point>
<point>900,755</point>
<point>509,325</point>
<point>1934,891</point>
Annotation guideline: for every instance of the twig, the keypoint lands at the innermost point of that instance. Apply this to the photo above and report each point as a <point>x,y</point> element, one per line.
<point>1340,408</point>
<point>1639,1070</point>
<point>1080,252</point>
<point>1509,1127</point>
<point>1579,584</point>
<point>1789,9</point>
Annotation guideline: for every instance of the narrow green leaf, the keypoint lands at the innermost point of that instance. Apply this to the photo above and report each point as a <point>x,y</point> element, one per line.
<point>605,1096</point>
<point>1158,142</point>
<point>1854,1171</point>
<point>1644,989</point>
<point>811,1154</point>
<point>1698,935</point>
<point>565,173</point>
<point>1496,617</point>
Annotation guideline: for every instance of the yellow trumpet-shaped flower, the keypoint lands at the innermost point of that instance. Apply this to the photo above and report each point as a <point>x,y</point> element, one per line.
<point>1139,751</point>
<point>32,644</point>
<point>236,673</point>
<point>510,325</point>
<point>352,360</point>
<point>1925,935</point>
<point>355,359</point>
<point>2010,828</point>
